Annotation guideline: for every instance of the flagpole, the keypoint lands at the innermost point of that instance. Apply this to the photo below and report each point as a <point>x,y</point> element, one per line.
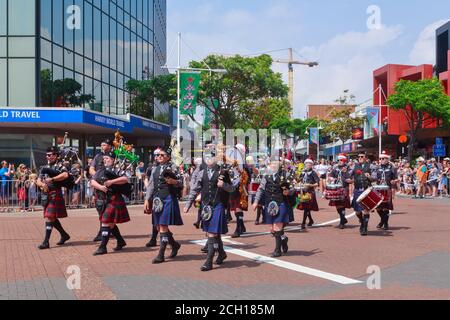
<point>380,128</point>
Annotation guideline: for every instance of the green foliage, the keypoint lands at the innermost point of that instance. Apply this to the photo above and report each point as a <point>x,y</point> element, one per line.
<point>294,128</point>
<point>420,101</point>
<point>342,125</point>
<point>67,90</point>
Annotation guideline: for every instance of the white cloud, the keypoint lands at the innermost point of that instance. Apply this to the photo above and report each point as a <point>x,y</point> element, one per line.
<point>346,61</point>
<point>424,50</point>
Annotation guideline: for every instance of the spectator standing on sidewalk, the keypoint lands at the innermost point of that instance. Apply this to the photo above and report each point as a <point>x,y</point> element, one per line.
<point>6,174</point>
<point>422,177</point>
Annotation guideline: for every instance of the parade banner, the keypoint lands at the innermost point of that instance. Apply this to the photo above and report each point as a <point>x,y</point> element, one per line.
<point>189,85</point>
<point>314,135</point>
<point>372,124</point>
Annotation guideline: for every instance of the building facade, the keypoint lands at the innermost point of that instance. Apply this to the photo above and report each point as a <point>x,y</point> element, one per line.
<point>323,112</point>
<point>79,55</point>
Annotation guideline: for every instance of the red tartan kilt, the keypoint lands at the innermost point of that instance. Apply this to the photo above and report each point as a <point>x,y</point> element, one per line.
<point>342,204</point>
<point>311,205</point>
<point>235,202</point>
<point>21,194</point>
<point>56,207</point>
<point>116,211</point>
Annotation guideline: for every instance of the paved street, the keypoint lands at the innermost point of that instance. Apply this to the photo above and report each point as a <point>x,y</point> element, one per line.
<point>323,262</point>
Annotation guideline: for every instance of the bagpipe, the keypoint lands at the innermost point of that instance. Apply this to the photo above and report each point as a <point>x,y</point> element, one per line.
<point>123,165</point>
<point>68,156</point>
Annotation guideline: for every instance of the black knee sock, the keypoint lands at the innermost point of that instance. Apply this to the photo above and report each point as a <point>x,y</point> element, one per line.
<point>48,231</point>
<point>154,232</point>
<point>305,216</point>
<point>116,232</point>
<point>164,240</point>
<point>59,227</point>
<point>106,232</point>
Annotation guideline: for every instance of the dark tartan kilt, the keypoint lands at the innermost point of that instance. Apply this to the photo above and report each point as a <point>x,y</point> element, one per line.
<point>311,205</point>
<point>218,222</point>
<point>282,217</point>
<point>389,205</point>
<point>342,204</point>
<point>56,208</point>
<point>116,210</point>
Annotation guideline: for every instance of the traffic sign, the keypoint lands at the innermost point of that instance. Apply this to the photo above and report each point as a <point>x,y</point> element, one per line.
<point>439,150</point>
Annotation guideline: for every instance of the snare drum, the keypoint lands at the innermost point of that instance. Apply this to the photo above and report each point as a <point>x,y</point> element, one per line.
<point>384,190</point>
<point>335,192</point>
<point>370,199</point>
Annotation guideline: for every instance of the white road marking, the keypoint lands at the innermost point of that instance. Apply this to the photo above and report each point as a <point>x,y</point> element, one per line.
<point>286,265</point>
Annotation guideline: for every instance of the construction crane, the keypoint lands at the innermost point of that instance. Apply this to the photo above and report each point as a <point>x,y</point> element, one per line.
<point>290,62</point>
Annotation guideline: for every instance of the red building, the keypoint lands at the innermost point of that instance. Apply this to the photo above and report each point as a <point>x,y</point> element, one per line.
<point>395,122</point>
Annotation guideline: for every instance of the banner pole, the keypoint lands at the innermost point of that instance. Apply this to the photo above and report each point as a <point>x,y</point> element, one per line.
<point>178,91</point>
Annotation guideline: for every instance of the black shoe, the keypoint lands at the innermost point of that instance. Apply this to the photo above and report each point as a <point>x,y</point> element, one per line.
<point>284,245</point>
<point>204,249</point>
<point>158,260</point>
<point>311,223</point>
<point>197,225</point>
<point>120,245</point>
<point>303,226</point>
<point>341,226</point>
<point>206,267</point>
<point>380,225</point>
<point>175,247</point>
<point>64,239</point>
<point>256,223</point>
<point>386,226</point>
<point>100,251</point>
<point>221,258</point>
<point>244,229</point>
<point>152,243</point>
<point>44,245</point>
<point>236,235</point>
<point>276,254</point>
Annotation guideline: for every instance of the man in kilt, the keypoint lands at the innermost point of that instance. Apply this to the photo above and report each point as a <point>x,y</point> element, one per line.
<point>110,204</point>
<point>340,175</point>
<point>214,184</point>
<point>236,205</point>
<point>308,201</point>
<point>162,194</point>
<point>277,204</point>
<point>52,198</point>
<point>385,174</point>
<point>361,175</point>
<point>96,165</point>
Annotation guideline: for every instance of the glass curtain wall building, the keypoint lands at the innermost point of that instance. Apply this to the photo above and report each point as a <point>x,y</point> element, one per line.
<point>54,50</point>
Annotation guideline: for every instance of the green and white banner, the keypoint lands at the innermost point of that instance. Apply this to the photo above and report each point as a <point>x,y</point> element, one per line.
<point>189,85</point>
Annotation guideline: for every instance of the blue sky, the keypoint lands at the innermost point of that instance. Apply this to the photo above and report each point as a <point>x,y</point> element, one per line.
<point>333,32</point>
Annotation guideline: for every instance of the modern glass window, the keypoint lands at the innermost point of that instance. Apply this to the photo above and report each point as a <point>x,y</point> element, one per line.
<point>21,46</point>
<point>78,33</point>
<point>88,30</point>
<point>3,20</point>
<point>46,49</point>
<point>22,17</point>
<point>3,47</point>
<point>57,54</point>
<point>21,85</point>
<point>46,19</point>
<point>3,81</point>
<point>58,21</point>
<point>97,35</point>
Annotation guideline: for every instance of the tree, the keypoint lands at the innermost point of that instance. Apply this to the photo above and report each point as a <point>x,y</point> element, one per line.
<point>342,125</point>
<point>420,102</point>
<point>248,89</point>
<point>66,91</point>
<point>295,129</point>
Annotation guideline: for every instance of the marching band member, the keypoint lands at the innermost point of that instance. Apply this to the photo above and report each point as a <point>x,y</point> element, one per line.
<point>165,182</point>
<point>110,204</point>
<point>385,174</point>
<point>199,165</point>
<point>214,184</point>
<point>340,175</point>
<point>239,197</point>
<point>361,175</point>
<point>96,165</point>
<point>52,198</point>
<point>153,242</point>
<point>310,181</point>
<point>276,204</point>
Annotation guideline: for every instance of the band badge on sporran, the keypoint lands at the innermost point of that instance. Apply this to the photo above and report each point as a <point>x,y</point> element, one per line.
<point>273,209</point>
<point>207,213</point>
<point>158,205</point>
